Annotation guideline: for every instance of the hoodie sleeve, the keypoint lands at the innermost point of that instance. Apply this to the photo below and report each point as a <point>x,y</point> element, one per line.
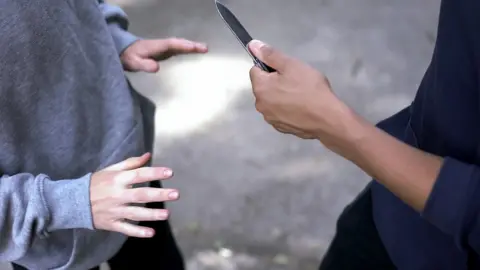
<point>32,206</point>
<point>454,203</point>
<point>118,24</point>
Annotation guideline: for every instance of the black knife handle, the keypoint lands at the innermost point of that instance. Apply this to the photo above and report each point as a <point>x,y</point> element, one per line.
<point>263,66</point>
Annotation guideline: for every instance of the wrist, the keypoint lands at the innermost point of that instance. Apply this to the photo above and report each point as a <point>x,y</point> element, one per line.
<point>349,132</point>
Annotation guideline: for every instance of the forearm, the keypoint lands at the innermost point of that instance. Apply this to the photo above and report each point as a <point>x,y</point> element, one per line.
<point>407,172</point>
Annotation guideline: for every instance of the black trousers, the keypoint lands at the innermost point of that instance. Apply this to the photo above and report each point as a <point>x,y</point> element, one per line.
<point>157,253</point>
<point>356,244</point>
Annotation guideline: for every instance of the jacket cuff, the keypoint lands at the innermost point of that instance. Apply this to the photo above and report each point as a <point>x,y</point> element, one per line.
<point>451,205</point>
<point>122,38</point>
<point>68,203</point>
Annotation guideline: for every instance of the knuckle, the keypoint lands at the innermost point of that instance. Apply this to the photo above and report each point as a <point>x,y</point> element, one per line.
<point>122,177</point>
<point>257,90</point>
<point>137,173</point>
<point>258,106</point>
<point>142,174</point>
<point>138,195</point>
<point>159,195</point>
<point>129,176</point>
<point>148,214</point>
<point>160,214</point>
<point>261,107</point>
<point>117,179</point>
<point>255,75</point>
<point>108,178</point>
<point>119,195</point>
<point>252,74</point>
<point>173,41</point>
<point>136,214</point>
<point>125,212</point>
<point>269,120</point>
<point>267,51</point>
<point>122,228</point>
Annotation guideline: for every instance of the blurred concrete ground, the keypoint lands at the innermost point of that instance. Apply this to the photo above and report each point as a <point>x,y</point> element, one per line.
<point>251,197</point>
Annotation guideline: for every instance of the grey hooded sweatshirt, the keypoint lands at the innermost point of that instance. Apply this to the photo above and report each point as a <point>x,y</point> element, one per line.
<point>66,110</point>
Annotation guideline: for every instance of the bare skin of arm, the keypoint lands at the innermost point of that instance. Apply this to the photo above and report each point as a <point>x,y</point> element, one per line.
<point>404,170</point>
<point>298,100</point>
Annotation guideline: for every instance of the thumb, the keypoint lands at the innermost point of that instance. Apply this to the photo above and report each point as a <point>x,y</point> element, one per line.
<point>146,65</point>
<point>269,55</point>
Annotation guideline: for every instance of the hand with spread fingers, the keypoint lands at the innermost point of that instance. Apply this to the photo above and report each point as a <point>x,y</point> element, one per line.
<point>113,198</point>
<point>296,99</point>
<point>144,55</point>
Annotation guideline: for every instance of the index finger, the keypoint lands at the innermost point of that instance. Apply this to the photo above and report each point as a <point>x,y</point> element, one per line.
<point>180,45</point>
<point>130,163</point>
<point>257,75</point>
<point>258,78</point>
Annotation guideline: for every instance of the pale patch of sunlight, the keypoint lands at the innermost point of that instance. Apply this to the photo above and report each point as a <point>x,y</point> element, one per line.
<point>326,166</point>
<point>202,90</point>
<point>216,260</point>
<point>304,168</point>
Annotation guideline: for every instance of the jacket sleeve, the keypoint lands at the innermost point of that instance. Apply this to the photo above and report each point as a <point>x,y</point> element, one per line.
<point>32,206</point>
<point>118,24</point>
<point>454,204</point>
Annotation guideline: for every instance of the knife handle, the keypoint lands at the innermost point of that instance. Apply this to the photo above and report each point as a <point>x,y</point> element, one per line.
<point>263,66</point>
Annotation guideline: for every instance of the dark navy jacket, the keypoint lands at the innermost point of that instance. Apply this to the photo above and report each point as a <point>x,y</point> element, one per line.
<point>444,119</point>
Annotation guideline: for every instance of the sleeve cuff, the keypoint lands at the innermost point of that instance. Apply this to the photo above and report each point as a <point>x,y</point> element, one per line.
<point>451,205</point>
<point>68,203</point>
<point>122,38</point>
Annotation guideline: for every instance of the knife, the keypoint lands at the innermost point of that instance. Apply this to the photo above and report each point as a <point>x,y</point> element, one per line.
<point>240,33</point>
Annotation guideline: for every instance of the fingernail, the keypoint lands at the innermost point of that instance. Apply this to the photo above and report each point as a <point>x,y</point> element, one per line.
<point>147,233</point>
<point>167,173</point>
<point>256,44</point>
<point>173,195</point>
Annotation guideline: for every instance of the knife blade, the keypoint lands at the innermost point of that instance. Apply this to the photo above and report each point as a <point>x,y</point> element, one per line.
<point>240,33</point>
